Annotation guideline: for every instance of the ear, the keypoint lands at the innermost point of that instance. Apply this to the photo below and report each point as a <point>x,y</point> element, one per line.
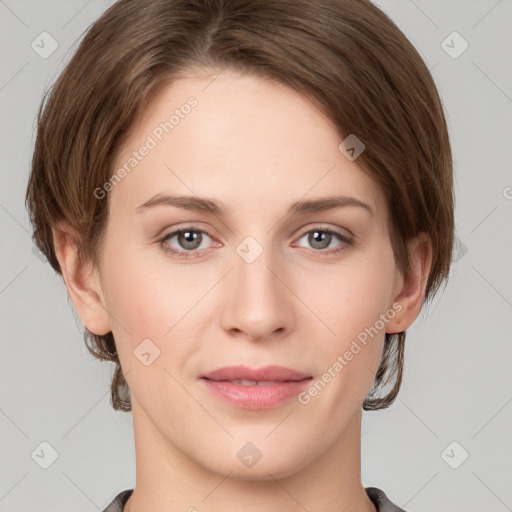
<point>82,281</point>
<point>410,289</point>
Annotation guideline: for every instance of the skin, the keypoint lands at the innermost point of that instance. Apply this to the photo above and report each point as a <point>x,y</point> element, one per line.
<point>256,147</point>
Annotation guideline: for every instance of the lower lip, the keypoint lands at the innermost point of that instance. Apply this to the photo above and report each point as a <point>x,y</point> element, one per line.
<point>255,396</point>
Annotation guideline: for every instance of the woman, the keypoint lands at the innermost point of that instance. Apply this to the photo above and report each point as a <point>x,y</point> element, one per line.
<point>249,203</point>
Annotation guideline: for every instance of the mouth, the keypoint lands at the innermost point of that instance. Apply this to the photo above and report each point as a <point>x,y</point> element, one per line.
<point>247,388</point>
<point>246,374</point>
<point>243,382</point>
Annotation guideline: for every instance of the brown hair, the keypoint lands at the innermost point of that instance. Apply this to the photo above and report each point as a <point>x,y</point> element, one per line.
<point>345,56</point>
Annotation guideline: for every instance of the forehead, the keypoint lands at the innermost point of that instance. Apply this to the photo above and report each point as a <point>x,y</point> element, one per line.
<point>241,139</point>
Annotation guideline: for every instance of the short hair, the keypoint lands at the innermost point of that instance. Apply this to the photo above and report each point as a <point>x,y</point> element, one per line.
<point>346,57</point>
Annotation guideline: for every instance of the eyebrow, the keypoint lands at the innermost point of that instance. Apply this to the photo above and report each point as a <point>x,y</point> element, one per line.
<point>195,203</point>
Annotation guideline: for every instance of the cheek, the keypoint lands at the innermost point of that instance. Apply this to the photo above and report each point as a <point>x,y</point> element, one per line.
<point>356,306</point>
<point>134,296</point>
<point>355,293</point>
<point>151,298</point>
<point>349,361</point>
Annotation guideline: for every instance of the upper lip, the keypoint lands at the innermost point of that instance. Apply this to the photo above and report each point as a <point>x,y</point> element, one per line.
<point>266,373</point>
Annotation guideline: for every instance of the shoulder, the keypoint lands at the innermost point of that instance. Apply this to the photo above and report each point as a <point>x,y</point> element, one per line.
<point>378,496</point>
<point>381,501</point>
<point>117,504</point>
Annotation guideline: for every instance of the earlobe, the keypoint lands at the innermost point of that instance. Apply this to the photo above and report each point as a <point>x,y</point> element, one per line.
<point>82,282</point>
<point>412,289</point>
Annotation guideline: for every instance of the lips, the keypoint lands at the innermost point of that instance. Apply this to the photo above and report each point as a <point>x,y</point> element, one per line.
<point>245,375</point>
<point>255,388</point>
<point>246,382</point>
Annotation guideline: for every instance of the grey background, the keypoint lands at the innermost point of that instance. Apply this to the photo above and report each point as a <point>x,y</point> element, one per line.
<point>457,385</point>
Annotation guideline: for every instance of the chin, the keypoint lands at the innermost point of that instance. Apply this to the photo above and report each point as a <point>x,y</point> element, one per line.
<point>272,466</point>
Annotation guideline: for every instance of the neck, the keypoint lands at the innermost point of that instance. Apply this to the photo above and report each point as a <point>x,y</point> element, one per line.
<point>169,480</point>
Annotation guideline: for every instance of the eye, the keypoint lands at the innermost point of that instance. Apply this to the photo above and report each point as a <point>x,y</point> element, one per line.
<point>188,238</point>
<point>321,238</point>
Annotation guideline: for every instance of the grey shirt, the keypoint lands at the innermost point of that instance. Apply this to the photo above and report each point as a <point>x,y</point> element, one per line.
<point>379,498</point>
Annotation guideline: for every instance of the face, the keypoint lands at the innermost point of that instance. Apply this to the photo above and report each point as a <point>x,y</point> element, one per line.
<point>256,283</point>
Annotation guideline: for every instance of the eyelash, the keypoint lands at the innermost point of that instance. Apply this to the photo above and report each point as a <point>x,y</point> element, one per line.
<point>193,254</point>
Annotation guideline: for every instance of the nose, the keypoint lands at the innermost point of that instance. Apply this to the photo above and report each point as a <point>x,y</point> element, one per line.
<point>259,303</point>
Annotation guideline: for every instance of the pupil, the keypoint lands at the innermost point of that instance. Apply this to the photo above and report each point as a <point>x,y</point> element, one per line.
<point>321,235</point>
<point>189,237</point>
